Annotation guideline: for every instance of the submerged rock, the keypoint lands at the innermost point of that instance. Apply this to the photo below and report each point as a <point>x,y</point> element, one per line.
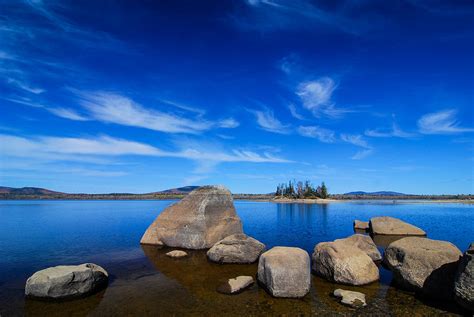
<point>66,281</point>
<point>285,272</point>
<point>464,281</point>
<point>424,265</point>
<point>237,248</point>
<point>361,225</point>
<point>344,263</point>
<point>235,285</point>
<point>198,221</point>
<point>350,298</point>
<point>363,242</point>
<point>176,254</point>
<point>393,226</point>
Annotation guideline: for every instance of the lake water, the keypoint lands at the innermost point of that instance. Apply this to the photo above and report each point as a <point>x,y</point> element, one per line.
<point>38,234</point>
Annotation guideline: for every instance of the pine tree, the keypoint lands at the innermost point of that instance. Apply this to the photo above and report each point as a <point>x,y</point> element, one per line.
<point>324,191</point>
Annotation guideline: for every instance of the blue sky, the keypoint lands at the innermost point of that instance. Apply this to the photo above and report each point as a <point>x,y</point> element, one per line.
<point>104,96</point>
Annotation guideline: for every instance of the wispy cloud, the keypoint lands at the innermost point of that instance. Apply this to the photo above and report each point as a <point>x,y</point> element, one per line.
<point>74,149</point>
<point>322,134</point>
<point>67,114</point>
<point>294,112</point>
<point>395,131</point>
<point>316,96</point>
<point>362,154</point>
<point>114,108</point>
<point>441,122</point>
<point>25,86</point>
<point>266,120</point>
<point>268,15</point>
<point>229,123</point>
<point>358,140</point>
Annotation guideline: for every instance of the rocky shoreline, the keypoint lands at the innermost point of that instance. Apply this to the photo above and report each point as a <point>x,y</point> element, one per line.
<point>206,219</point>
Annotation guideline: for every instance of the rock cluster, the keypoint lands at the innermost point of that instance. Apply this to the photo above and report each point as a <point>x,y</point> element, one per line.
<point>66,281</point>
<point>198,221</point>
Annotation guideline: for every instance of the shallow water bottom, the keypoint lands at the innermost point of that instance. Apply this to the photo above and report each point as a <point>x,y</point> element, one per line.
<point>158,285</point>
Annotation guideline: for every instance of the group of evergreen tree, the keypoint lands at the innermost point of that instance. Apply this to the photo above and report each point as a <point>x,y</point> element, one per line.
<point>301,190</point>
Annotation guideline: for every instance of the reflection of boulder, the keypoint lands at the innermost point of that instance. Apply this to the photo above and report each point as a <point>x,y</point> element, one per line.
<point>198,221</point>
<point>393,226</point>
<point>201,278</point>
<point>325,289</point>
<point>194,272</point>
<point>76,307</point>
<point>423,265</point>
<point>464,284</point>
<point>237,248</point>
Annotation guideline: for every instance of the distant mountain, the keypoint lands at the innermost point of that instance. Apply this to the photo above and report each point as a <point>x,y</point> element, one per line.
<point>28,191</point>
<point>179,190</point>
<point>381,193</point>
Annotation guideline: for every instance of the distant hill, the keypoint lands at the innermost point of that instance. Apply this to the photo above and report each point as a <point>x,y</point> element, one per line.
<point>179,190</point>
<point>28,191</point>
<point>381,193</point>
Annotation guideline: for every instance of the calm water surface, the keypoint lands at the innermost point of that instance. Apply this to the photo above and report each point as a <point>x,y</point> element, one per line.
<point>38,234</point>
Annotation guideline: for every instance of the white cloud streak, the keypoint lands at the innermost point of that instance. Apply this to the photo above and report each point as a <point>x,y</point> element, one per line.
<point>358,140</point>
<point>441,122</point>
<point>74,149</point>
<point>322,134</point>
<point>316,97</point>
<point>395,131</point>
<point>267,121</point>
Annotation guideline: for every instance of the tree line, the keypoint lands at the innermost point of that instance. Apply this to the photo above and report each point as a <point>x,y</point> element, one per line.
<point>301,190</point>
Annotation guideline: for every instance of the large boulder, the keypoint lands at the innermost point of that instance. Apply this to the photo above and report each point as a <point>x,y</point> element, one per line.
<point>236,248</point>
<point>285,272</point>
<point>66,281</point>
<point>393,226</point>
<point>424,265</point>
<point>343,263</point>
<point>464,281</point>
<point>363,242</point>
<point>198,221</point>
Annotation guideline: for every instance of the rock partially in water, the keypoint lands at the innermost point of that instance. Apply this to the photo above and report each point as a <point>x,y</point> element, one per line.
<point>361,225</point>
<point>343,263</point>
<point>176,254</point>
<point>350,298</point>
<point>198,221</point>
<point>424,265</point>
<point>66,281</point>
<point>393,226</point>
<point>236,248</point>
<point>285,272</point>
<point>464,281</point>
<point>235,285</point>
<point>363,242</point>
